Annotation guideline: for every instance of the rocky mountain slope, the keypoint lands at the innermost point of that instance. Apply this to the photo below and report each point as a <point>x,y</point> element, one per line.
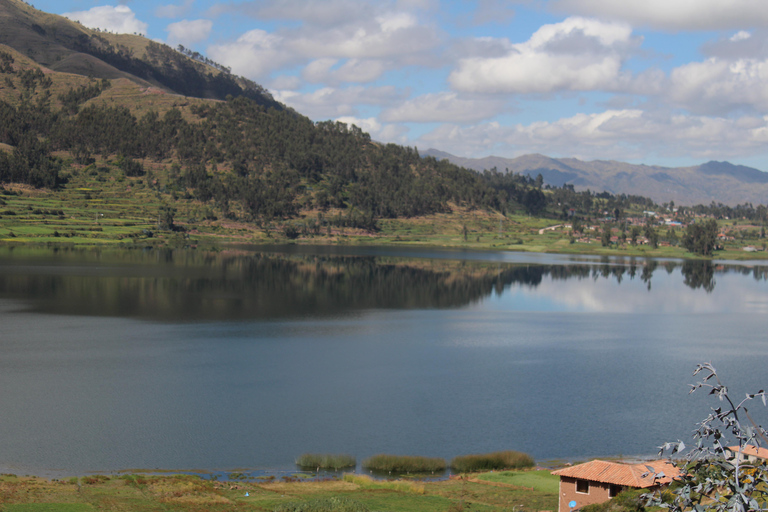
<point>65,46</point>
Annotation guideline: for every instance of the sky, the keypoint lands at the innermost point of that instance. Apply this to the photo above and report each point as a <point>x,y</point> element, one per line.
<point>660,82</point>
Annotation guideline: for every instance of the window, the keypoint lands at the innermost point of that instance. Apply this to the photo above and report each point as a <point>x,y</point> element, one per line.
<point>582,486</point>
<point>614,490</point>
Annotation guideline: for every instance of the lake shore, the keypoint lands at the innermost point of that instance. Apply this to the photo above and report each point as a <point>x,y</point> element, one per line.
<point>534,490</point>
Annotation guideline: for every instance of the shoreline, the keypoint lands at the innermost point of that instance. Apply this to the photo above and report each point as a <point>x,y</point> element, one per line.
<point>250,474</point>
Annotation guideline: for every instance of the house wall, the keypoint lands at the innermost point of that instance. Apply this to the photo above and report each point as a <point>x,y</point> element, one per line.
<point>598,493</point>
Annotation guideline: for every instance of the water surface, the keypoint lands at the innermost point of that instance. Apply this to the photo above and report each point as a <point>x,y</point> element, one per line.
<point>246,359</point>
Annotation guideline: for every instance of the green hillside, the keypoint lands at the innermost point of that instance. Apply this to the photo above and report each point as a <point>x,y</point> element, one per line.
<point>110,138</point>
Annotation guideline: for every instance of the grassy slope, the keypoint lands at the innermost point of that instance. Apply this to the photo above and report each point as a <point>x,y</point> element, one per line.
<point>129,205</point>
<point>100,206</point>
<point>189,493</point>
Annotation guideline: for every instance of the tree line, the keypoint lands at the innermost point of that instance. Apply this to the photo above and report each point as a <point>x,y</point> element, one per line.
<point>269,162</point>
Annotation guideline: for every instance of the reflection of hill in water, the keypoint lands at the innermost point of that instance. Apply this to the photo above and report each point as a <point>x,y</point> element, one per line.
<point>208,286</point>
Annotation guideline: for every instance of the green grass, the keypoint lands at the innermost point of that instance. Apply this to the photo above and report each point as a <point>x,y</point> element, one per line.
<point>130,209</point>
<point>491,461</point>
<point>48,507</point>
<point>145,493</point>
<point>326,461</point>
<point>404,463</point>
<point>541,480</point>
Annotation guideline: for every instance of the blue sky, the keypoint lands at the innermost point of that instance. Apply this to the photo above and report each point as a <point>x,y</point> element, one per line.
<point>667,82</point>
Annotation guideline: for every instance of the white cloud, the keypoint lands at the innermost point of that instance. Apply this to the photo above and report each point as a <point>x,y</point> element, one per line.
<point>347,42</point>
<point>674,14</point>
<point>629,134</point>
<point>255,54</point>
<point>188,31</point>
<point>329,102</point>
<point>285,82</point>
<point>442,107</point>
<point>120,19</point>
<point>741,35</point>
<point>577,54</point>
<point>326,70</point>
<point>720,86</point>
<point>391,34</point>
<point>382,133</point>
<point>174,11</point>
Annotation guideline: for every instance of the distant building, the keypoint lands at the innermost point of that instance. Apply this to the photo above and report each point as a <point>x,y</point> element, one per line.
<point>597,481</point>
<point>749,453</point>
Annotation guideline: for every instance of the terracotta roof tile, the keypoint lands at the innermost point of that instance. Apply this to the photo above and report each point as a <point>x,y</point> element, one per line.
<point>630,475</point>
<point>754,451</point>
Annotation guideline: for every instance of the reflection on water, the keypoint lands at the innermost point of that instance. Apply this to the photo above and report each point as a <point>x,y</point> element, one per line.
<point>230,285</point>
<point>250,358</point>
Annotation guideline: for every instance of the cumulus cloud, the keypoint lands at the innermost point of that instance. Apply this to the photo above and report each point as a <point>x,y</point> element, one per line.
<point>442,107</point>
<point>630,134</point>
<point>578,54</point>
<point>330,102</point>
<point>380,132</point>
<point>120,19</point>
<point>674,15</point>
<point>358,45</point>
<point>740,45</point>
<point>353,70</point>
<point>720,86</point>
<point>254,54</point>
<point>174,11</point>
<point>188,31</point>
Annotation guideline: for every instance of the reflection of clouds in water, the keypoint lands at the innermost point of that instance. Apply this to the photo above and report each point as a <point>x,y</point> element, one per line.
<point>733,293</point>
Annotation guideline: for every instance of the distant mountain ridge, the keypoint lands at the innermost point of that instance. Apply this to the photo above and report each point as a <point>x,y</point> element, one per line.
<point>721,182</point>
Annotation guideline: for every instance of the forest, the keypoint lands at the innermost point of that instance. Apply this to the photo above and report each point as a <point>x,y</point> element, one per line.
<point>255,160</point>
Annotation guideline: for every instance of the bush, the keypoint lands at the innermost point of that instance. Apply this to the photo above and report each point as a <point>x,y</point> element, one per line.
<point>491,461</point>
<point>326,461</point>
<point>404,463</point>
<point>334,504</point>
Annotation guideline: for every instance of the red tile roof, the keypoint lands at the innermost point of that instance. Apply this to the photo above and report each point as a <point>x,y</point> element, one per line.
<point>754,451</point>
<point>630,475</point>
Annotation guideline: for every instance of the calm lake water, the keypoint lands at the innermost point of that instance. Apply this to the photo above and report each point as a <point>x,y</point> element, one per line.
<point>248,358</point>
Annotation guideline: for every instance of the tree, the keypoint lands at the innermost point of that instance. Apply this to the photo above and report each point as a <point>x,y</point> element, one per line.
<point>605,237</point>
<point>711,479</point>
<point>534,201</point>
<point>165,215</point>
<point>700,237</point>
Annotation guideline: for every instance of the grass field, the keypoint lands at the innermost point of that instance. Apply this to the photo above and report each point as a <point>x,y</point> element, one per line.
<point>540,480</point>
<point>99,205</point>
<point>190,493</point>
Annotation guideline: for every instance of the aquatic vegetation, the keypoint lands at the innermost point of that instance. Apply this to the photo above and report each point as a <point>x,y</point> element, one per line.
<point>491,461</point>
<point>326,461</point>
<point>404,463</point>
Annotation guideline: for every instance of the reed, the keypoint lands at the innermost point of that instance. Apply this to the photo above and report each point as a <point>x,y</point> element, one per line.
<point>491,461</point>
<point>326,461</point>
<point>404,463</point>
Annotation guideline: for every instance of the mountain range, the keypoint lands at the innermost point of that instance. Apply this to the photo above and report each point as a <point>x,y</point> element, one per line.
<point>721,182</point>
<point>146,76</point>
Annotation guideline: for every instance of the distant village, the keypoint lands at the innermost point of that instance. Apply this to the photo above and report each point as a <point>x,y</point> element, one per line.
<point>740,233</point>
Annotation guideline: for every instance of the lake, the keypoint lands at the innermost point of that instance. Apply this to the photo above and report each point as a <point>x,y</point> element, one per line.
<point>246,358</point>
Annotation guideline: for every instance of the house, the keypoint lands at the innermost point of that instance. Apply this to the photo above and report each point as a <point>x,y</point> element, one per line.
<point>597,481</point>
<point>749,453</point>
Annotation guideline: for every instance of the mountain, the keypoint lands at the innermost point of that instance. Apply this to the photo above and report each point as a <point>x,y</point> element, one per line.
<point>721,182</point>
<point>64,46</point>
